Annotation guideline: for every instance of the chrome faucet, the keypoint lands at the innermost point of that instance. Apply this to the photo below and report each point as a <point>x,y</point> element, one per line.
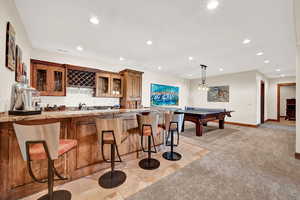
<point>81,106</point>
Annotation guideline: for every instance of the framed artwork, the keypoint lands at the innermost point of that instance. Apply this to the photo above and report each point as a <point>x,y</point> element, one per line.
<point>19,64</point>
<point>218,94</point>
<point>164,95</point>
<point>10,47</point>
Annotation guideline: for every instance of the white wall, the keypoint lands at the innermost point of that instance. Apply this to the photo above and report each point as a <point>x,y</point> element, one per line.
<point>242,97</point>
<point>286,92</point>
<point>8,13</point>
<point>272,103</point>
<point>74,97</point>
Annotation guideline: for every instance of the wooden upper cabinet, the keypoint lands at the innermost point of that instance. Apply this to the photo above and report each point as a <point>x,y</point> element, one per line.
<point>133,85</point>
<point>48,78</point>
<point>109,85</point>
<point>132,95</point>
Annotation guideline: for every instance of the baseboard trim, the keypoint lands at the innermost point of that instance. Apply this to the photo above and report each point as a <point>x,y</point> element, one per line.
<point>239,124</point>
<point>242,124</point>
<point>271,120</point>
<point>297,156</point>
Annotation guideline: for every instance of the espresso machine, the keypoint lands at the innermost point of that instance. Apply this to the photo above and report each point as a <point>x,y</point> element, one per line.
<point>25,100</point>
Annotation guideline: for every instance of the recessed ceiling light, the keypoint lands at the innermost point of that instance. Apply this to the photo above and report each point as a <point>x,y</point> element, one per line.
<point>159,68</point>
<point>246,41</point>
<point>221,69</point>
<point>260,53</point>
<point>190,74</point>
<point>266,61</point>
<point>94,20</point>
<point>282,75</point>
<point>278,70</point>
<point>121,58</point>
<point>212,4</point>
<point>149,42</point>
<point>191,58</point>
<point>79,48</point>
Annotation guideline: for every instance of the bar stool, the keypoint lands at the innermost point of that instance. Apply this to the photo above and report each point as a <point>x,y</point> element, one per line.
<point>174,126</point>
<point>39,142</point>
<point>110,131</point>
<point>148,126</point>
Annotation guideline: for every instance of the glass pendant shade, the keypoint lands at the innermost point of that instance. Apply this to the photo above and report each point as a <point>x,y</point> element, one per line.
<point>203,85</point>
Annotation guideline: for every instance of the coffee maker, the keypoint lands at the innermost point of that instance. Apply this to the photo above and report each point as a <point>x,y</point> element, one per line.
<point>25,100</point>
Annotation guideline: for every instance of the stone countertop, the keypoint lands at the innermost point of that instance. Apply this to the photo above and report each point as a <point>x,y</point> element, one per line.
<point>68,114</point>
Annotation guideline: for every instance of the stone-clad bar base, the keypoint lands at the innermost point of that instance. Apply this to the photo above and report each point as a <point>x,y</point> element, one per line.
<point>82,161</point>
<point>87,188</point>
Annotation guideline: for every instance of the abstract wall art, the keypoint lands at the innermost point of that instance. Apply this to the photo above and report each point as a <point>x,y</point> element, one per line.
<point>10,47</point>
<point>19,65</point>
<point>164,95</point>
<point>218,94</point>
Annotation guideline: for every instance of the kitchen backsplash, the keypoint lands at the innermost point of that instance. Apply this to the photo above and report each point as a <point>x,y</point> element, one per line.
<point>79,95</point>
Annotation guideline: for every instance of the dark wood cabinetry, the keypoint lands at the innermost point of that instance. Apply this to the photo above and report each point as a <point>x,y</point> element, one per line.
<point>291,109</point>
<point>132,97</point>
<point>48,78</point>
<point>51,79</point>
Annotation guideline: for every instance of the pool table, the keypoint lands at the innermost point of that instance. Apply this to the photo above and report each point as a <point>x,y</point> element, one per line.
<point>200,116</point>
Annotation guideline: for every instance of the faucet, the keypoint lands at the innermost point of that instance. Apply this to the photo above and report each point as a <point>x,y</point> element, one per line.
<point>81,106</point>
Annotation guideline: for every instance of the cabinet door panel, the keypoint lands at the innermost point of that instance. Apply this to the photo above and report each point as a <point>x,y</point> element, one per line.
<point>88,150</point>
<point>103,85</point>
<point>57,80</point>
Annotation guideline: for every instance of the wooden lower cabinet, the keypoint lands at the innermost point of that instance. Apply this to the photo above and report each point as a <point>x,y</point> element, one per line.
<point>84,160</point>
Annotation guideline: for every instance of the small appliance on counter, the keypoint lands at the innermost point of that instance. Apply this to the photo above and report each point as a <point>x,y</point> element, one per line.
<point>25,100</point>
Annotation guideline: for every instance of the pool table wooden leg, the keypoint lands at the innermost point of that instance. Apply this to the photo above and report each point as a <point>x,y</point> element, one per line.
<point>199,129</point>
<point>221,123</point>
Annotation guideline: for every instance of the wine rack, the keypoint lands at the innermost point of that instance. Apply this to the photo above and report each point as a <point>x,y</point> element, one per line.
<point>81,79</point>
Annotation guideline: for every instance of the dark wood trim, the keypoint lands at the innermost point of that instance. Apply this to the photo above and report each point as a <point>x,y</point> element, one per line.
<point>297,156</point>
<point>278,97</point>
<point>262,102</point>
<point>131,71</point>
<point>46,63</point>
<point>271,120</point>
<point>239,124</point>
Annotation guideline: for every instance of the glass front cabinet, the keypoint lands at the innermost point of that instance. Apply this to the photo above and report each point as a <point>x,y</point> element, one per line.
<point>109,85</point>
<point>48,78</point>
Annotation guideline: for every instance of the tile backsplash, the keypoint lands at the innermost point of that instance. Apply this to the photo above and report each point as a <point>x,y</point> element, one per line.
<point>79,95</point>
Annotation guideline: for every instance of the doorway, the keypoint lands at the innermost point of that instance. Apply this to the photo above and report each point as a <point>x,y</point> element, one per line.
<point>262,102</point>
<point>280,102</point>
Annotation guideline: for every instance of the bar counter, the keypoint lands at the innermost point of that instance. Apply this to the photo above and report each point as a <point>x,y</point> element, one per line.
<point>85,159</point>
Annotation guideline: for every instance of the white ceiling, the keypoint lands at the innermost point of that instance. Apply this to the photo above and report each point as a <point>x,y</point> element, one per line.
<point>178,29</point>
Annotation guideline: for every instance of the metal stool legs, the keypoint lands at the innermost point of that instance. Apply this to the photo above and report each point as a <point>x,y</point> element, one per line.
<point>171,155</point>
<point>113,178</point>
<point>149,163</point>
<point>52,195</point>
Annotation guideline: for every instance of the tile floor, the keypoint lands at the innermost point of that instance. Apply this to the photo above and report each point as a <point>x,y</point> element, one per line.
<point>87,188</point>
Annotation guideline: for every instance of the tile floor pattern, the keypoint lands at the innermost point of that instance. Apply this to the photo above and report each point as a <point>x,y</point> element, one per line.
<point>87,188</point>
